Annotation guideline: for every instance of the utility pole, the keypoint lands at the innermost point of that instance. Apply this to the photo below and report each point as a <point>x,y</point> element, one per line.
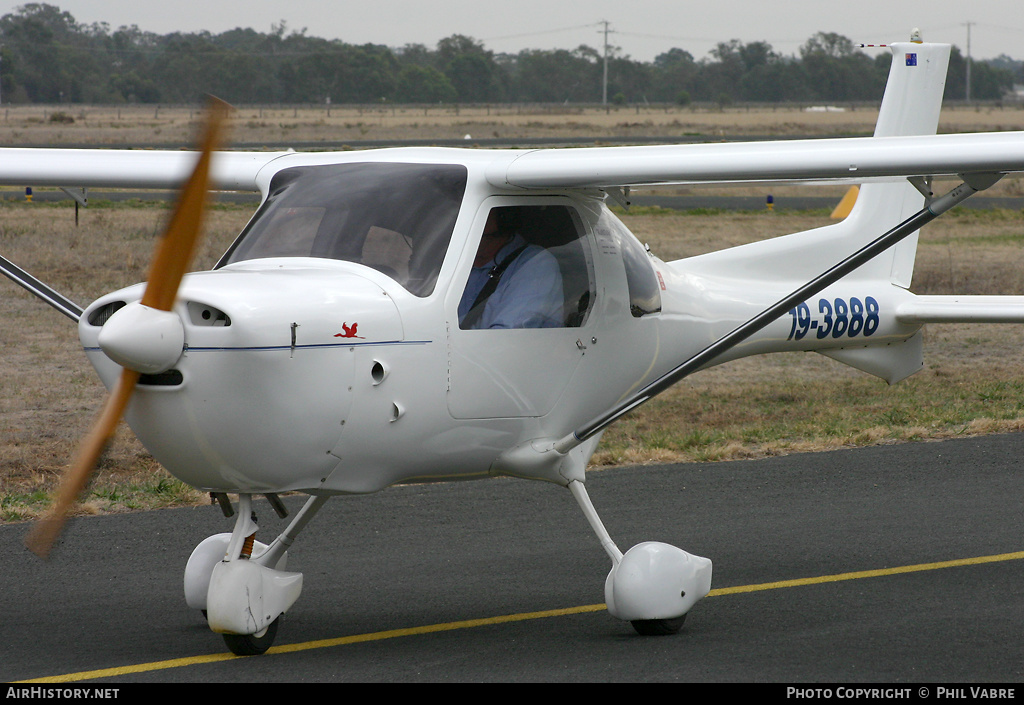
<point>968,92</point>
<point>604,82</point>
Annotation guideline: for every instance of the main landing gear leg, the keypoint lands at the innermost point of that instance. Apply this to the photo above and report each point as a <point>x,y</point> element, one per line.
<point>241,585</point>
<point>653,585</point>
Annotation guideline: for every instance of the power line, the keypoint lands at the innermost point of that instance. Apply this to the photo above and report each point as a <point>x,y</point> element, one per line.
<point>538,34</point>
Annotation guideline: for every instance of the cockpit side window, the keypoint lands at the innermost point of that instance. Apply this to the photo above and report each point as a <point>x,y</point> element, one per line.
<point>533,269</point>
<point>641,279</point>
<point>395,218</point>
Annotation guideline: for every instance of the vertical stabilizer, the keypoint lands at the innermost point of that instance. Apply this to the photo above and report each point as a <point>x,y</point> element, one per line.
<point>910,106</point>
<point>913,93</point>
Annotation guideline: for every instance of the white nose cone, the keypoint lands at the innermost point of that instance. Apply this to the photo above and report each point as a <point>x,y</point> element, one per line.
<point>143,339</point>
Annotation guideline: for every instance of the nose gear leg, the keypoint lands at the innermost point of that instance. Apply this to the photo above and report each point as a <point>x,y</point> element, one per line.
<point>241,584</point>
<point>653,585</point>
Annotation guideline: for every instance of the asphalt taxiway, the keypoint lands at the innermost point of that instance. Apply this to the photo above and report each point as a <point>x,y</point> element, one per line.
<point>888,564</point>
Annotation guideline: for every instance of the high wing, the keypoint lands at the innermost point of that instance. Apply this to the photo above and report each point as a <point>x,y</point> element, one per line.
<point>856,159</point>
<point>116,168</point>
<point>847,159</point>
<point>884,222</point>
<point>127,168</point>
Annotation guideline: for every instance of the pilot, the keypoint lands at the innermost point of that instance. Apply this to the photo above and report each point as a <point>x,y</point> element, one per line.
<point>513,284</point>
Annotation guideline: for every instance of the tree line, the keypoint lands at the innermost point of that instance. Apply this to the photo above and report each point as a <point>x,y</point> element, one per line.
<point>46,56</point>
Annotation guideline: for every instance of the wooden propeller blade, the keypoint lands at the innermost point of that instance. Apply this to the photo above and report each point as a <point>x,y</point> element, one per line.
<point>176,249</point>
<point>40,539</point>
<point>173,255</point>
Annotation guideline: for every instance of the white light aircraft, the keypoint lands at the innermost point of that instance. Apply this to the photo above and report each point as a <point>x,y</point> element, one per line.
<point>326,353</point>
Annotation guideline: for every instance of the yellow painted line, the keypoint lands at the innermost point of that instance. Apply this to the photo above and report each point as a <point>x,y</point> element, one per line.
<point>432,628</point>
<point>505,619</point>
<point>320,644</point>
<point>868,574</point>
<point>128,670</point>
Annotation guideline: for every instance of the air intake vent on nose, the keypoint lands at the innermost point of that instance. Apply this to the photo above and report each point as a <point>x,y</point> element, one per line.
<point>203,315</point>
<point>170,378</point>
<point>99,316</point>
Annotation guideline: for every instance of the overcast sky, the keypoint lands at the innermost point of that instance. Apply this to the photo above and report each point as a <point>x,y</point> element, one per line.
<point>642,29</point>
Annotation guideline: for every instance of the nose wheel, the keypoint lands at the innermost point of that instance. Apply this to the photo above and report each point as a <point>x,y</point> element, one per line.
<point>658,627</point>
<point>240,584</point>
<point>252,644</point>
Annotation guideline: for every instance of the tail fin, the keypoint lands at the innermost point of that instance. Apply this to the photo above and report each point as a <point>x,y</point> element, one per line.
<point>910,106</point>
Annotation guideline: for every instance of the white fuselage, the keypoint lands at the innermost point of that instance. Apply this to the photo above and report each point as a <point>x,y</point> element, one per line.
<point>322,375</point>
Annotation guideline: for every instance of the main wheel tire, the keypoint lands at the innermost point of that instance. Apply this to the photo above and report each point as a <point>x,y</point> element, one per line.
<point>658,627</point>
<point>252,644</point>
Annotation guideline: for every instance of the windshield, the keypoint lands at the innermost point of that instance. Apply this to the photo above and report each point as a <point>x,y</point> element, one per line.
<point>396,218</point>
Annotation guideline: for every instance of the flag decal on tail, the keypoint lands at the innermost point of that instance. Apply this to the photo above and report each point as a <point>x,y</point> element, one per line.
<point>911,59</point>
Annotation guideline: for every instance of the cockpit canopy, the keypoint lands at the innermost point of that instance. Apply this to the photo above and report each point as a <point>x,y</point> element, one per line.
<point>395,218</point>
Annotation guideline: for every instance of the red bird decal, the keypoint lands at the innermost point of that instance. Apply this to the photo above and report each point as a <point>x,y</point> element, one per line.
<point>350,331</point>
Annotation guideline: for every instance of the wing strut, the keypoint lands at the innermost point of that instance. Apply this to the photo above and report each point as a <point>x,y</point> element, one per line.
<point>971,185</point>
<point>19,276</point>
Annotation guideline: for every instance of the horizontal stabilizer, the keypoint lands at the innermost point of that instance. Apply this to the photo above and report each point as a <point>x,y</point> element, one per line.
<point>962,309</point>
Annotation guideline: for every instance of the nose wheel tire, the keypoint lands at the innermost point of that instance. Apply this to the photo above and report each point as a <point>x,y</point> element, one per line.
<point>658,627</point>
<point>252,644</point>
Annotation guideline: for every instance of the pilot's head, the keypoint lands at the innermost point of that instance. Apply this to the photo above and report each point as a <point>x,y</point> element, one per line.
<point>498,231</point>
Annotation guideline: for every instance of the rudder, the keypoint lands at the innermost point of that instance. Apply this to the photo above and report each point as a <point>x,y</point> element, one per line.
<point>910,106</point>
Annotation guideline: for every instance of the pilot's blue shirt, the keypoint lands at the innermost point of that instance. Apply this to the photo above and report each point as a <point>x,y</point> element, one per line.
<point>529,293</point>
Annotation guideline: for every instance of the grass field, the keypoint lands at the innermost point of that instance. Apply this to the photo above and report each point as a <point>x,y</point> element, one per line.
<point>972,382</point>
<point>277,127</point>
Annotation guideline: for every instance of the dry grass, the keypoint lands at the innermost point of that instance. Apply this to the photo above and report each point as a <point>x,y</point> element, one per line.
<point>49,395</point>
<point>133,125</point>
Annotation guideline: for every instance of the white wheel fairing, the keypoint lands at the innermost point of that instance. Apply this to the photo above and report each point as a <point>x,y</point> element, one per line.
<point>205,556</point>
<point>245,597</point>
<point>656,581</point>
